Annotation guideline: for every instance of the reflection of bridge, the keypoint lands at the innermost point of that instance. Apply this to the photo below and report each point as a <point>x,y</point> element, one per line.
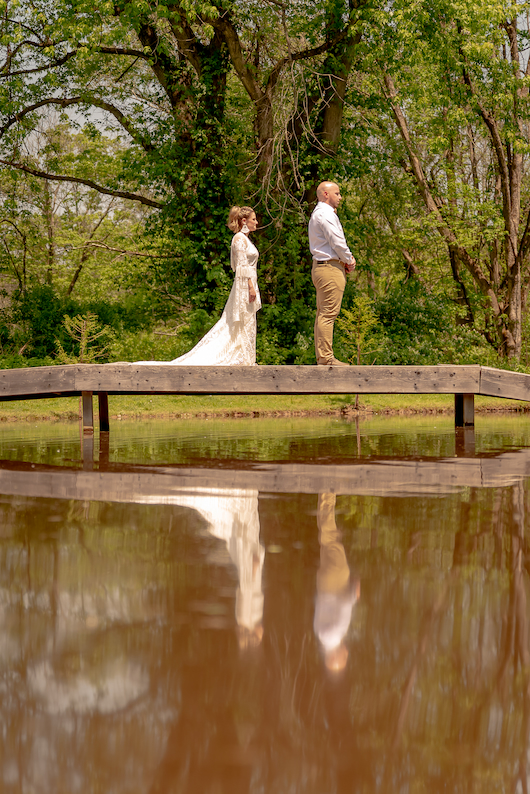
<point>104,379</point>
<point>168,484</point>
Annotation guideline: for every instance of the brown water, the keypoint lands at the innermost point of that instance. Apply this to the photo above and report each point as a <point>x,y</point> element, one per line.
<point>267,606</point>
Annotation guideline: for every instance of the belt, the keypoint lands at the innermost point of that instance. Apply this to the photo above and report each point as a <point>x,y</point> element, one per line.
<point>328,262</point>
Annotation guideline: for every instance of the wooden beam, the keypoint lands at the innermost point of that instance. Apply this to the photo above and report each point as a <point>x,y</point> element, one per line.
<point>167,379</point>
<point>504,383</point>
<point>103,405</point>
<point>37,381</point>
<point>88,412</point>
<point>59,381</point>
<point>167,486</point>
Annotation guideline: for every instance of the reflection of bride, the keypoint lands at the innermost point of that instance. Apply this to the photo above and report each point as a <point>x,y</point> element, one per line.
<point>232,340</point>
<point>232,515</point>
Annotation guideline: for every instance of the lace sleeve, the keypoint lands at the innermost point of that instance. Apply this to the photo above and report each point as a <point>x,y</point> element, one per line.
<point>238,256</point>
<point>243,272</point>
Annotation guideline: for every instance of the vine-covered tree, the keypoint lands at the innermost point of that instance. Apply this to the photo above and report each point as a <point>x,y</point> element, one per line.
<point>213,99</point>
<point>454,81</point>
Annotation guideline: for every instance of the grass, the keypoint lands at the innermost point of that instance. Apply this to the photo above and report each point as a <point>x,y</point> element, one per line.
<point>169,407</point>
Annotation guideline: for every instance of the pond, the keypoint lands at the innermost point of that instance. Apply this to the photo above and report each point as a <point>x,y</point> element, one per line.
<point>252,606</point>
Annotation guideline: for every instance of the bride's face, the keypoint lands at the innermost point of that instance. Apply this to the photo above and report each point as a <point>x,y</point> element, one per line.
<point>252,222</point>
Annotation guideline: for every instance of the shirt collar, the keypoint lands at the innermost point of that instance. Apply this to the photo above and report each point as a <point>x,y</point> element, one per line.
<point>326,207</point>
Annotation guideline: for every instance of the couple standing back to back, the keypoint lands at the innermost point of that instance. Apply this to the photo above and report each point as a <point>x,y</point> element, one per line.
<point>232,340</point>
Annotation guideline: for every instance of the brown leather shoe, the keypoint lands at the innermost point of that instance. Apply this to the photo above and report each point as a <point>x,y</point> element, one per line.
<point>333,363</point>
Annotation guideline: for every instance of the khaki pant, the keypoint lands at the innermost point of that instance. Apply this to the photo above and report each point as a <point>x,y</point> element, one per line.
<point>334,572</point>
<point>329,280</point>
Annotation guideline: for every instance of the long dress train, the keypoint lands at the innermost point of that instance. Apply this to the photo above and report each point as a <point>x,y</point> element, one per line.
<point>232,516</point>
<point>232,340</point>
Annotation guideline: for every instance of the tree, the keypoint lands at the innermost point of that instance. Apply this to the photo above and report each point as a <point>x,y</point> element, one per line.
<point>216,104</point>
<point>454,82</point>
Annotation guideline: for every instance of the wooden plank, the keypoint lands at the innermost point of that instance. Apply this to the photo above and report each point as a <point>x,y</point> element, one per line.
<point>126,378</point>
<point>503,383</point>
<point>37,381</point>
<point>147,379</point>
<point>167,484</point>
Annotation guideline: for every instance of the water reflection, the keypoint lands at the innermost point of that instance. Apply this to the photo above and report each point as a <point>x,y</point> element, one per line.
<point>337,590</point>
<point>160,632</point>
<point>232,516</point>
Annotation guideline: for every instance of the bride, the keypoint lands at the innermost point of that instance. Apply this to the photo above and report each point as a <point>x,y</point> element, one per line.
<point>232,340</point>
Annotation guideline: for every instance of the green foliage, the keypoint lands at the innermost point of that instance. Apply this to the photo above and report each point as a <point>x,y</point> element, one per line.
<point>146,345</point>
<point>418,327</point>
<point>355,328</point>
<point>109,95</point>
<point>89,340</point>
<point>37,315</point>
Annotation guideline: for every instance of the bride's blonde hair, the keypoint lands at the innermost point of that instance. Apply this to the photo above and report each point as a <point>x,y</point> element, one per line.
<point>237,216</point>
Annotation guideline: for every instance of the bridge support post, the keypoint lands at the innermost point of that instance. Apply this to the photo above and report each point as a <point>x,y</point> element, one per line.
<point>88,412</point>
<point>103,401</point>
<point>464,410</point>
<point>464,442</point>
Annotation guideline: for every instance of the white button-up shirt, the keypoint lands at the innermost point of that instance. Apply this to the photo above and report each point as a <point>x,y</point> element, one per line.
<point>326,235</point>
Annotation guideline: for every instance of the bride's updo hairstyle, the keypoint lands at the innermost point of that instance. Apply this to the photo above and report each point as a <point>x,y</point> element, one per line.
<point>237,216</point>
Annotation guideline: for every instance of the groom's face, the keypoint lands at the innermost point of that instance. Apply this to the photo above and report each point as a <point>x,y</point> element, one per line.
<point>334,196</point>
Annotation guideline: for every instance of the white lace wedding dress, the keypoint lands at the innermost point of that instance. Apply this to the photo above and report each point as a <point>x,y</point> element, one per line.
<point>232,515</point>
<point>232,340</point>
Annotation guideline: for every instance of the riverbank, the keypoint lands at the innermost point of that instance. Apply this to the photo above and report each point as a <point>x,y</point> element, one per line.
<point>145,407</point>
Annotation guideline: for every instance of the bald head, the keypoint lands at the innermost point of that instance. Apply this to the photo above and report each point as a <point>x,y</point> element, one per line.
<point>329,193</point>
<point>324,188</point>
<point>336,659</point>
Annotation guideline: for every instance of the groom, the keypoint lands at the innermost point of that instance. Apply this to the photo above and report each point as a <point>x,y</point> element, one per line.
<point>332,260</point>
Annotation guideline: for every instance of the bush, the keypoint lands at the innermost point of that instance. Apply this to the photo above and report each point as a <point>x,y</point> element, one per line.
<point>38,316</point>
<point>417,327</point>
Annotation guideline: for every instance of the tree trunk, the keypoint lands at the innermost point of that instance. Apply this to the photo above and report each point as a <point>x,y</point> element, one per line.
<point>50,248</point>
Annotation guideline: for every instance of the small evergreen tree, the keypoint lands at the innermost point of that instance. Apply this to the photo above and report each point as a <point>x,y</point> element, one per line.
<point>84,330</point>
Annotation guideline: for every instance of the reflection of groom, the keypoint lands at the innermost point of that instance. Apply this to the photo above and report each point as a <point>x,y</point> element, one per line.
<point>336,591</point>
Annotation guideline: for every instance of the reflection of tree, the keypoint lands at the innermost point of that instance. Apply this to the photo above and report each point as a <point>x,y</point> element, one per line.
<point>467,686</point>
<point>213,746</point>
<point>435,691</point>
<point>515,650</point>
<point>493,714</point>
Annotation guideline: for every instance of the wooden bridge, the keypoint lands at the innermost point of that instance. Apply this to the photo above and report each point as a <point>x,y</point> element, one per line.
<point>88,380</point>
<point>168,484</point>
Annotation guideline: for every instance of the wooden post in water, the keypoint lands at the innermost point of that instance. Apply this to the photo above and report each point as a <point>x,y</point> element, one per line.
<point>103,401</point>
<point>464,410</point>
<point>88,412</point>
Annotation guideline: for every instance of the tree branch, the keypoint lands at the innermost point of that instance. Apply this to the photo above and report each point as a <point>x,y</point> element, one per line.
<point>79,100</point>
<point>230,35</point>
<point>64,103</point>
<point>88,182</point>
<point>122,51</point>
<point>94,244</point>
